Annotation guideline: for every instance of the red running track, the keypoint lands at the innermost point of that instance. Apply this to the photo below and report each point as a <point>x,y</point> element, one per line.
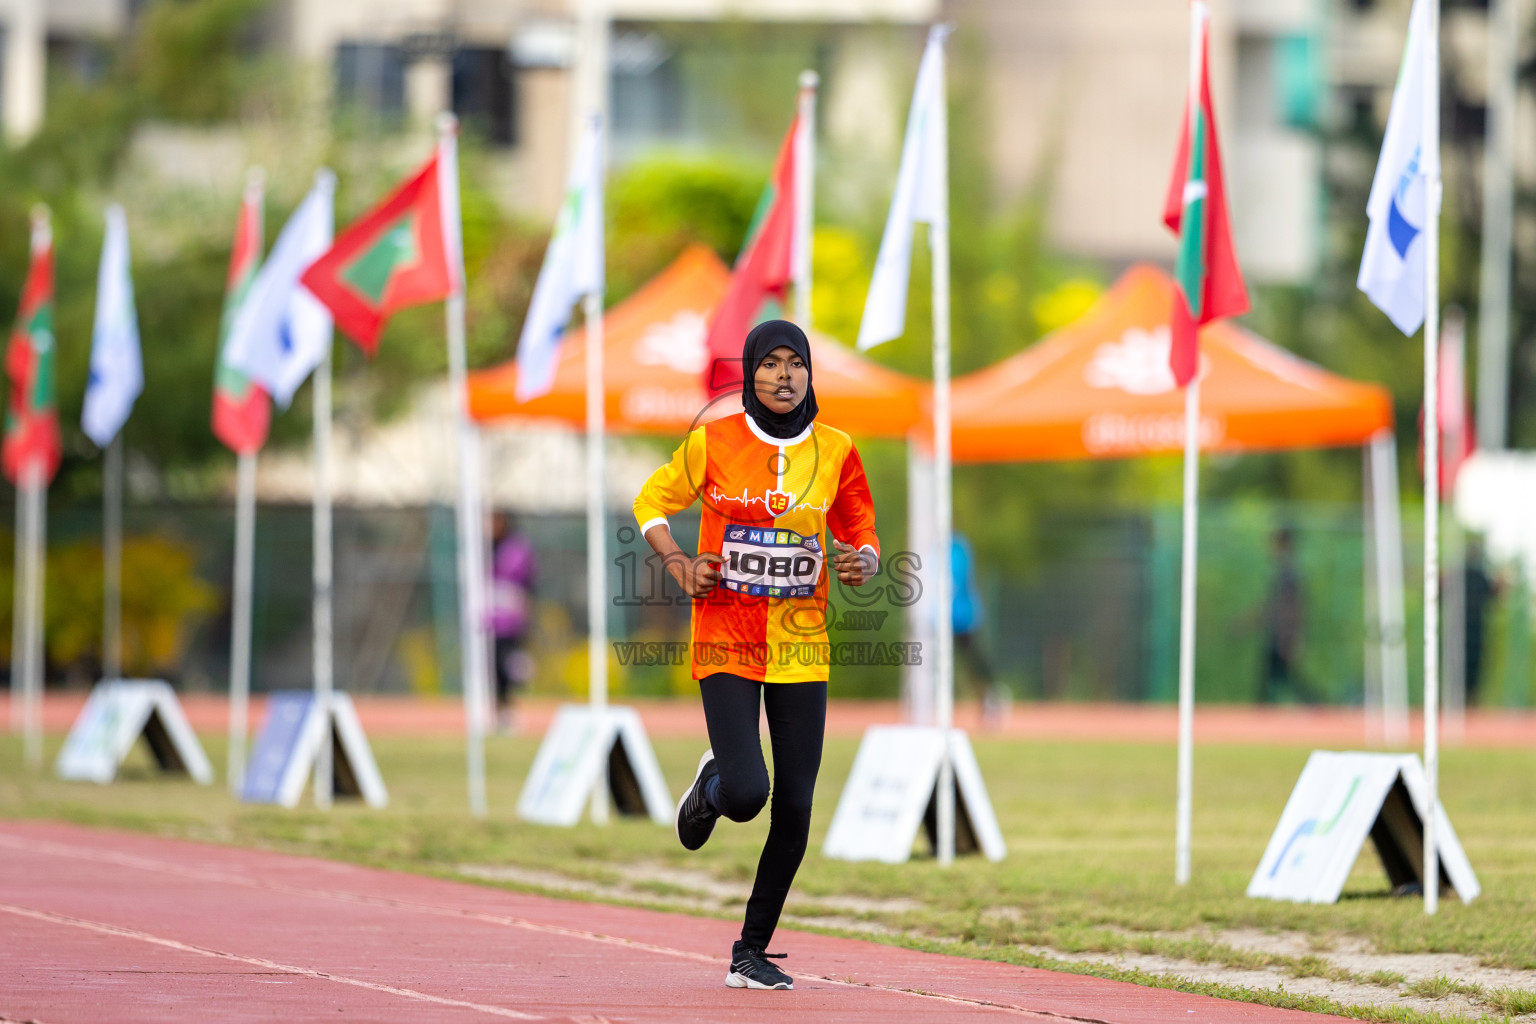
<point>107,926</point>
<point>1335,727</point>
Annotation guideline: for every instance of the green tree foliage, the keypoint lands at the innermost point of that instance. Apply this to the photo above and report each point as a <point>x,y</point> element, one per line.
<point>163,602</point>
<point>184,62</point>
<point>660,206</point>
<point>191,61</point>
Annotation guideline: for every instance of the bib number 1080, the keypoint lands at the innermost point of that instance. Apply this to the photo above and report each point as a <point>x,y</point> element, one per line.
<point>769,563</point>
<point>779,567</point>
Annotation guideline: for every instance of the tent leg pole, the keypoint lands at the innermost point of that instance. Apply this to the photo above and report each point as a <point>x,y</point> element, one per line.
<point>1375,653</point>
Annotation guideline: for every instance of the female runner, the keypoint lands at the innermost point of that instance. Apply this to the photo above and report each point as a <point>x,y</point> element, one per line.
<point>772,482</point>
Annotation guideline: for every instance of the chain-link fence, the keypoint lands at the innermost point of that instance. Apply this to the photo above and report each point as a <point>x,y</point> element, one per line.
<point>1096,618</point>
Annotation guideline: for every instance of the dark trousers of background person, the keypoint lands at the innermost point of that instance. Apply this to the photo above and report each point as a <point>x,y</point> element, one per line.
<point>508,652</point>
<point>797,722</point>
<point>1280,677</point>
<point>968,649</point>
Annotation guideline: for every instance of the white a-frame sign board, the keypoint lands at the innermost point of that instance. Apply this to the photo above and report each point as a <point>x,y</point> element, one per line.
<point>582,742</point>
<point>115,715</point>
<point>1340,799</point>
<point>289,742</point>
<point>891,792</point>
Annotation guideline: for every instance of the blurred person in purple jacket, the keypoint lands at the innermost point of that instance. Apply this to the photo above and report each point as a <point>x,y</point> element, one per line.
<point>509,612</point>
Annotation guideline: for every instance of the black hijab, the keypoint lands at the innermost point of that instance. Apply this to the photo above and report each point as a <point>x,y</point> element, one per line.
<point>762,339</point>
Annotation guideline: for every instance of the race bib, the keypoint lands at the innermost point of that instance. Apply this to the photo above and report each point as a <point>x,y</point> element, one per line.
<point>766,562</point>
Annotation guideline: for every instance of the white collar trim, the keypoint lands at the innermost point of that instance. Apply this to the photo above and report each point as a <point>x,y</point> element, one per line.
<point>777,442</point>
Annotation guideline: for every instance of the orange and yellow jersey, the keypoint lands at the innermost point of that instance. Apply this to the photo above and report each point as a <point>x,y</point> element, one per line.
<point>768,504</point>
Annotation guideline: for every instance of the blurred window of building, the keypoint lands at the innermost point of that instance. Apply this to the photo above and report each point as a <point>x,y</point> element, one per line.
<point>370,82</point>
<point>84,61</point>
<point>544,43</point>
<point>484,93</point>
<point>646,88</point>
<point>1357,106</point>
<point>1298,80</point>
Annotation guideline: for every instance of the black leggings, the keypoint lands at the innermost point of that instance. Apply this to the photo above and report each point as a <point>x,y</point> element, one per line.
<point>797,719</point>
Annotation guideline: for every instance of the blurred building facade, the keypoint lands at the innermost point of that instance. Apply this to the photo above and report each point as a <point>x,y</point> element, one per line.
<point>1083,99</point>
<point>507,67</point>
<point>1086,100</point>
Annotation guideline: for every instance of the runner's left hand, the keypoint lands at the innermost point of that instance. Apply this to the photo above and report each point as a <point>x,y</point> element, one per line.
<point>852,566</point>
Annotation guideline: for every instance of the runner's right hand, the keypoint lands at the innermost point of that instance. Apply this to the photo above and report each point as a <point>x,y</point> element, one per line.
<point>698,576</point>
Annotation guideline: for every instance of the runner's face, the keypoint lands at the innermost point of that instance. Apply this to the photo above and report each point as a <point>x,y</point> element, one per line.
<point>781,379</point>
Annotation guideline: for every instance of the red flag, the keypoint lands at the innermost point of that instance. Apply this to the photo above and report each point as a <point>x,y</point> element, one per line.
<point>762,273</point>
<point>32,415</point>
<point>1210,281</point>
<point>393,257</point>
<point>242,410</point>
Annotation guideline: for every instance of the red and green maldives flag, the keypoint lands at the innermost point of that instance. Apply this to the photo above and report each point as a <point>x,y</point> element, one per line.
<point>1210,283</point>
<point>32,415</point>
<point>242,409</point>
<point>763,271</point>
<point>394,256</point>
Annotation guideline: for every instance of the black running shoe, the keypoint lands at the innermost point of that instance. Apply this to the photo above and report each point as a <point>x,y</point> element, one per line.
<point>695,817</point>
<point>750,969</point>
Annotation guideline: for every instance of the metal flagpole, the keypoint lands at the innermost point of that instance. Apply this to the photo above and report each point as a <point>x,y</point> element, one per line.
<point>1184,810</point>
<point>1431,138</point>
<point>471,560</point>
<point>112,560</point>
<point>592,104</point>
<point>324,653</point>
<point>21,589</point>
<point>32,610</point>
<point>474,656</point>
<point>18,602</point>
<point>240,639</point>
<point>938,241</point>
<point>805,196</point>
<point>1187,633</point>
<point>597,547</point>
<point>245,536</point>
<point>1498,222</point>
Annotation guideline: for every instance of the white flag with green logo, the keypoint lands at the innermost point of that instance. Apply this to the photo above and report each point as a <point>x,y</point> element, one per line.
<point>573,268</point>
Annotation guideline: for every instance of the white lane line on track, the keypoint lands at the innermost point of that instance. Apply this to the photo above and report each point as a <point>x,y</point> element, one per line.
<point>45,846</point>
<point>132,933</point>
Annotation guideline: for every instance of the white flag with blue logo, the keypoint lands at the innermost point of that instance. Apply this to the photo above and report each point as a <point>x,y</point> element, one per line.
<point>117,369</point>
<point>919,197</point>
<point>1392,267</point>
<point>282,331</point>
<point>573,267</point>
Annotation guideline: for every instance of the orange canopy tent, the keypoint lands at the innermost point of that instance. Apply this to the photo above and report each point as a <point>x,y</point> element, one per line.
<point>654,359</point>
<point>1101,388</point>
